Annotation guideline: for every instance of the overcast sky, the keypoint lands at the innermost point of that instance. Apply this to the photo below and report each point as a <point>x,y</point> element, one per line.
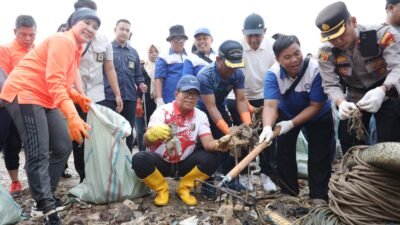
<point>152,19</point>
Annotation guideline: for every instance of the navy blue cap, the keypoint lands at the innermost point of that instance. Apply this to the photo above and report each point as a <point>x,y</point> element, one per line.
<point>232,53</point>
<point>188,82</point>
<point>253,24</point>
<point>202,30</point>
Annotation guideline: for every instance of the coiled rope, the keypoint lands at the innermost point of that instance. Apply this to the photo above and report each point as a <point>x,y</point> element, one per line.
<point>366,191</point>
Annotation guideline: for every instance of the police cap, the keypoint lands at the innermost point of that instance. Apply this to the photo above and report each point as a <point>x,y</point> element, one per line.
<point>332,20</point>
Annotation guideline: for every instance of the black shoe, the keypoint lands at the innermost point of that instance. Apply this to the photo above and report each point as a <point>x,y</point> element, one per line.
<point>66,173</point>
<point>52,219</point>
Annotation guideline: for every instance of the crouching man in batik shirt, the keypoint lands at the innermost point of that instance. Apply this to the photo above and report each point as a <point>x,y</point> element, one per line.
<point>171,137</point>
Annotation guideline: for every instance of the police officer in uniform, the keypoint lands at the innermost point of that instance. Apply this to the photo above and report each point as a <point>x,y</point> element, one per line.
<point>360,67</point>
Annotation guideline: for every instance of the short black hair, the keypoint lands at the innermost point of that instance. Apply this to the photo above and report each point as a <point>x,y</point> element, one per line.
<point>283,42</point>
<point>123,21</point>
<point>85,4</point>
<point>24,21</point>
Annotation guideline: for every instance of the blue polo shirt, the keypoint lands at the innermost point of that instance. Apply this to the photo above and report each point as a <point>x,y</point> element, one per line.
<point>211,82</point>
<point>194,63</point>
<point>309,89</point>
<point>169,67</point>
<point>127,66</point>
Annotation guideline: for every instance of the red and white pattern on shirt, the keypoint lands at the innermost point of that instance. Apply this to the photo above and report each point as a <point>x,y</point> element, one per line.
<point>186,128</point>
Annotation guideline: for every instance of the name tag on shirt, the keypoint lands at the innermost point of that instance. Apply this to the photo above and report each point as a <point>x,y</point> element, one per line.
<point>131,64</point>
<point>100,57</point>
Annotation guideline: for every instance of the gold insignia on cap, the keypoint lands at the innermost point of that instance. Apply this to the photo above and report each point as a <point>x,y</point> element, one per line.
<point>325,27</point>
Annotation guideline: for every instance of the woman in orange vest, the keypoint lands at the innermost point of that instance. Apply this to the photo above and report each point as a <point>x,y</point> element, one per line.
<point>40,87</point>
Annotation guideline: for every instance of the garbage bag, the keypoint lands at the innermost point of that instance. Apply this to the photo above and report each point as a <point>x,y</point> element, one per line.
<point>10,212</point>
<point>109,175</point>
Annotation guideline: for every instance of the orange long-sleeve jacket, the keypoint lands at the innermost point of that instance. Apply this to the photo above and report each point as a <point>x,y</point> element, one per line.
<point>11,54</point>
<point>43,76</point>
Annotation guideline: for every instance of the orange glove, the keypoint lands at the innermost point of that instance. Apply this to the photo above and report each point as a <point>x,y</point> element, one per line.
<point>222,126</point>
<point>245,118</point>
<point>139,108</point>
<point>76,126</point>
<point>82,100</point>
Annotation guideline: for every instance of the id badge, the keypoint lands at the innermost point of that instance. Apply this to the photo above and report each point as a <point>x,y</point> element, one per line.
<point>100,57</point>
<point>131,65</point>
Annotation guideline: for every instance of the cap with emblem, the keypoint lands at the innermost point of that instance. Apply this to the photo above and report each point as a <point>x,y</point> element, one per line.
<point>232,53</point>
<point>391,2</point>
<point>188,82</point>
<point>253,24</point>
<point>332,21</point>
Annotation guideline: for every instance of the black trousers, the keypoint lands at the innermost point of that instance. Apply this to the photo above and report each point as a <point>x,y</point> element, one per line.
<point>227,162</point>
<point>10,141</point>
<point>144,164</point>
<point>320,134</point>
<point>128,113</point>
<point>47,147</point>
<point>387,125</point>
<point>268,155</point>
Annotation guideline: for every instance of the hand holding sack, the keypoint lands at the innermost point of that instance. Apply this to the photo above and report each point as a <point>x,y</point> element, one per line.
<point>77,128</point>
<point>159,132</point>
<point>82,100</point>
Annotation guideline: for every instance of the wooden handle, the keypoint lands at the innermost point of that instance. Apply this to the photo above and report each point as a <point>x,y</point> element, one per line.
<point>252,155</point>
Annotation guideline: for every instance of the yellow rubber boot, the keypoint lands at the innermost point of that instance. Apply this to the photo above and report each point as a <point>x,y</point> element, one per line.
<point>187,183</point>
<point>156,182</point>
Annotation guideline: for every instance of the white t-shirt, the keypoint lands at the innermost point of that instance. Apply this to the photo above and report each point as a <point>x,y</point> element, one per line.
<point>257,62</point>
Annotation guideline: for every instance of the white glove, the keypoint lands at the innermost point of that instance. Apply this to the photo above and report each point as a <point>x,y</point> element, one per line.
<point>265,134</point>
<point>345,108</point>
<point>159,102</point>
<point>372,100</point>
<point>286,126</point>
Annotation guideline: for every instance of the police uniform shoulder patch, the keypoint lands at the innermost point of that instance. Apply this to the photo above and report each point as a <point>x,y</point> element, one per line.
<point>387,40</point>
<point>341,59</point>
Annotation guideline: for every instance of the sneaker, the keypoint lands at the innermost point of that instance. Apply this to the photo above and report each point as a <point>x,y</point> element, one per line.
<point>35,212</point>
<point>66,173</point>
<point>267,184</point>
<point>52,218</point>
<point>246,181</point>
<point>16,189</point>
